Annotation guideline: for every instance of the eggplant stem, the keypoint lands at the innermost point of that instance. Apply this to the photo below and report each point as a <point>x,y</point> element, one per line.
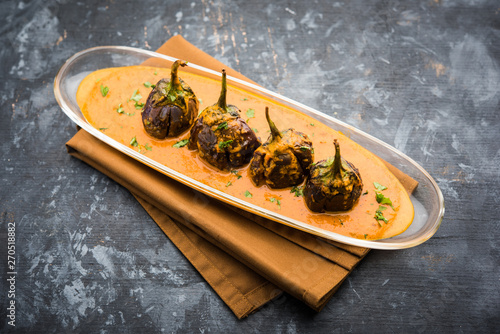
<point>174,78</point>
<point>337,163</point>
<point>275,133</point>
<point>222,98</point>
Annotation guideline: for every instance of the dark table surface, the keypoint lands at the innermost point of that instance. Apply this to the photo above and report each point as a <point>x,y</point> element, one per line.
<point>422,76</point>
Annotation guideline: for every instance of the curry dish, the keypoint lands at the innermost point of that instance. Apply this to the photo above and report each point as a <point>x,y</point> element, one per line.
<point>112,101</point>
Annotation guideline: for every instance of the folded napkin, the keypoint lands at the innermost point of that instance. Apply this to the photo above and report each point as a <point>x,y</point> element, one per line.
<point>246,259</point>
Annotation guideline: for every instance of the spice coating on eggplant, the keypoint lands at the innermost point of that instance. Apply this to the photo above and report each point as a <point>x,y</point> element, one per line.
<point>283,160</point>
<point>171,106</point>
<point>334,184</point>
<point>221,136</point>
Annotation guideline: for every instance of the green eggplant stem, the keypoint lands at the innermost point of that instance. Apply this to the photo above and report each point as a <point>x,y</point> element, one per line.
<point>275,133</point>
<point>337,163</point>
<point>174,78</point>
<point>222,98</point>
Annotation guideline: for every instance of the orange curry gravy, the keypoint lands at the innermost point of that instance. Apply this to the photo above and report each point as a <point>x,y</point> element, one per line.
<point>102,113</point>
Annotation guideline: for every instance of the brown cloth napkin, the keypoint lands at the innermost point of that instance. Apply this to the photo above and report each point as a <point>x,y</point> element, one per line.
<point>246,259</point>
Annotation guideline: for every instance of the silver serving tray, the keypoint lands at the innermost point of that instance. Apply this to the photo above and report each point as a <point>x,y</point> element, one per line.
<point>427,199</point>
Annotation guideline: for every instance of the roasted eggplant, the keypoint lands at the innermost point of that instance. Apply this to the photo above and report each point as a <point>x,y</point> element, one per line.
<point>221,136</point>
<point>171,107</point>
<point>283,160</point>
<point>333,185</point>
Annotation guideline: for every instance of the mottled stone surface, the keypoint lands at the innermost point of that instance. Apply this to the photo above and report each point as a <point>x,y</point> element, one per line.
<point>423,76</point>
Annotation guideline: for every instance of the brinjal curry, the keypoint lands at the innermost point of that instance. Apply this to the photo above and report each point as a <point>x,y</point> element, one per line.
<point>112,101</point>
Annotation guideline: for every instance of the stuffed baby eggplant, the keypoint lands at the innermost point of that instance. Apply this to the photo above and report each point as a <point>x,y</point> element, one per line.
<point>221,136</point>
<point>171,107</point>
<point>283,160</point>
<point>333,185</point>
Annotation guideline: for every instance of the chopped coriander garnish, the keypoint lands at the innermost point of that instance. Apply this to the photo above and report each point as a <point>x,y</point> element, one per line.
<point>156,72</point>
<point>255,130</point>
<point>134,142</point>
<point>224,144</point>
<point>200,100</point>
<point>104,90</point>
<point>228,184</point>
<point>147,147</point>
<point>365,193</point>
<point>298,191</point>
<point>222,125</point>
<point>380,216</point>
<point>381,208</point>
<point>181,143</point>
<point>236,173</point>
<point>305,148</point>
<point>136,96</point>
<point>311,124</point>
<point>378,186</point>
<point>149,84</point>
<point>383,200</point>
<point>244,99</point>
<point>103,129</point>
<point>120,110</point>
<point>250,113</point>
<point>365,235</point>
<point>275,200</point>
<point>248,194</point>
<point>138,105</point>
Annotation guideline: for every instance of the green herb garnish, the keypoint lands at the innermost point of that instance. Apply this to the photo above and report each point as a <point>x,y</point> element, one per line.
<point>181,143</point>
<point>103,129</point>
<point>248,194</point>
<point>222,125</point>
<point>136,96</point>
<point>380,216</point>
<point>228,184</point>
<point>383,200</point>
<point>299,191</point>
<point>149,84</point>
<point>250,113</point>
<point>104,90</point>
<point>379,187</point>
<point>224,144</point>
<point>275,200</point>
<point>134,142</point>
<point>236,173</point>
<point>147,147</point>
<point>120,110</point>
<point>255,130</point>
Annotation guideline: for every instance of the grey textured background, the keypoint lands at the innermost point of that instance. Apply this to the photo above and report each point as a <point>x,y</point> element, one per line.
<point>423,76</point>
